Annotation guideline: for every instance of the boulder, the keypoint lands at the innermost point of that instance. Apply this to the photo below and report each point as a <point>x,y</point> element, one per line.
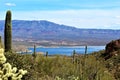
<point>112,49</point>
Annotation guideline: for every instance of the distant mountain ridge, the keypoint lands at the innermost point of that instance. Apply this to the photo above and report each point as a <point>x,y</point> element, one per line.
<point>49,31</point>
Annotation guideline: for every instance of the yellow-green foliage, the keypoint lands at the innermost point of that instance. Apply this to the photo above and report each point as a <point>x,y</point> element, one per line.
<point>113,65</point>
<point>2,57</point>
<point>6,70</point>
<point>70,78</point>
<point>60,67</point>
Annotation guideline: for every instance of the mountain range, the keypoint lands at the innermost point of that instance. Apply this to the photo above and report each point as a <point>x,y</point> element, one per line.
<point>49,33</point>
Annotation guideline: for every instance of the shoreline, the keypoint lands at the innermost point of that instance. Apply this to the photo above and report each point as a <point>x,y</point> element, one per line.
<point>64,46</point>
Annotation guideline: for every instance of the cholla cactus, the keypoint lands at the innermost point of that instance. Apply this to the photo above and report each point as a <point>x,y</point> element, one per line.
<point>2,57</point>
<point>6,70</point>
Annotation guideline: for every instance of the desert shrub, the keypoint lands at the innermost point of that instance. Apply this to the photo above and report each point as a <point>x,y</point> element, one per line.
<point>62,67</point>
<point>22,61</point>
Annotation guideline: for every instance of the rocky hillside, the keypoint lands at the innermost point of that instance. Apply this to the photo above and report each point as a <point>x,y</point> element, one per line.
<point>112,49</point>
<point>112,58</point>
<point>49,31</point>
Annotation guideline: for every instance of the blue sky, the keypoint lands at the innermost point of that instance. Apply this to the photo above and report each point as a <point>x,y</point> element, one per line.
<point>100,14</point>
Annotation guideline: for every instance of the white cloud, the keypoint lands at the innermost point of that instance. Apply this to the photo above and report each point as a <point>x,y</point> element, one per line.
<point>101,19</point>
<point>117,17</point>
<point>10,4</point>
<point>93,16</point>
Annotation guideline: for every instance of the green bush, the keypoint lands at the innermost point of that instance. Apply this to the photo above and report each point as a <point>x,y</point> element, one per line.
<point>62,67</point>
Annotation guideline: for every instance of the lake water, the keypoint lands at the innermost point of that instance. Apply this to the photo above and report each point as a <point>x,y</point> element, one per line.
<point>67,50</point>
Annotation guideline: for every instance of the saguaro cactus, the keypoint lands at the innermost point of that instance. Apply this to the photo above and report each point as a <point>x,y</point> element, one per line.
<point>74,52</point>
<point>34,53</point>
<point>85,50</point>
<point>8,32</point>
<point>46,54</point>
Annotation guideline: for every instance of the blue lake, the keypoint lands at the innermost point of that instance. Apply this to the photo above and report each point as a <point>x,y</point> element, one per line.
<point>67,50</point>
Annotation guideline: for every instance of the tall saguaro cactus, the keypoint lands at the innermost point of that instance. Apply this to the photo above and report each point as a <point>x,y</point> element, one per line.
<point>8,32</point>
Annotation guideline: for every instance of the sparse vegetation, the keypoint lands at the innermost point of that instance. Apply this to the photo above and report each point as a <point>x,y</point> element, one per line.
<point>61,67</point>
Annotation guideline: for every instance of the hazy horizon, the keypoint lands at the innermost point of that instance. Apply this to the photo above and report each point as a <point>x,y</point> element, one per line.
<point>92,14</point>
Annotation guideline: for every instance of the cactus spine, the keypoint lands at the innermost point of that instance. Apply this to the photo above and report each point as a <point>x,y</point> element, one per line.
<point>8,32</point>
